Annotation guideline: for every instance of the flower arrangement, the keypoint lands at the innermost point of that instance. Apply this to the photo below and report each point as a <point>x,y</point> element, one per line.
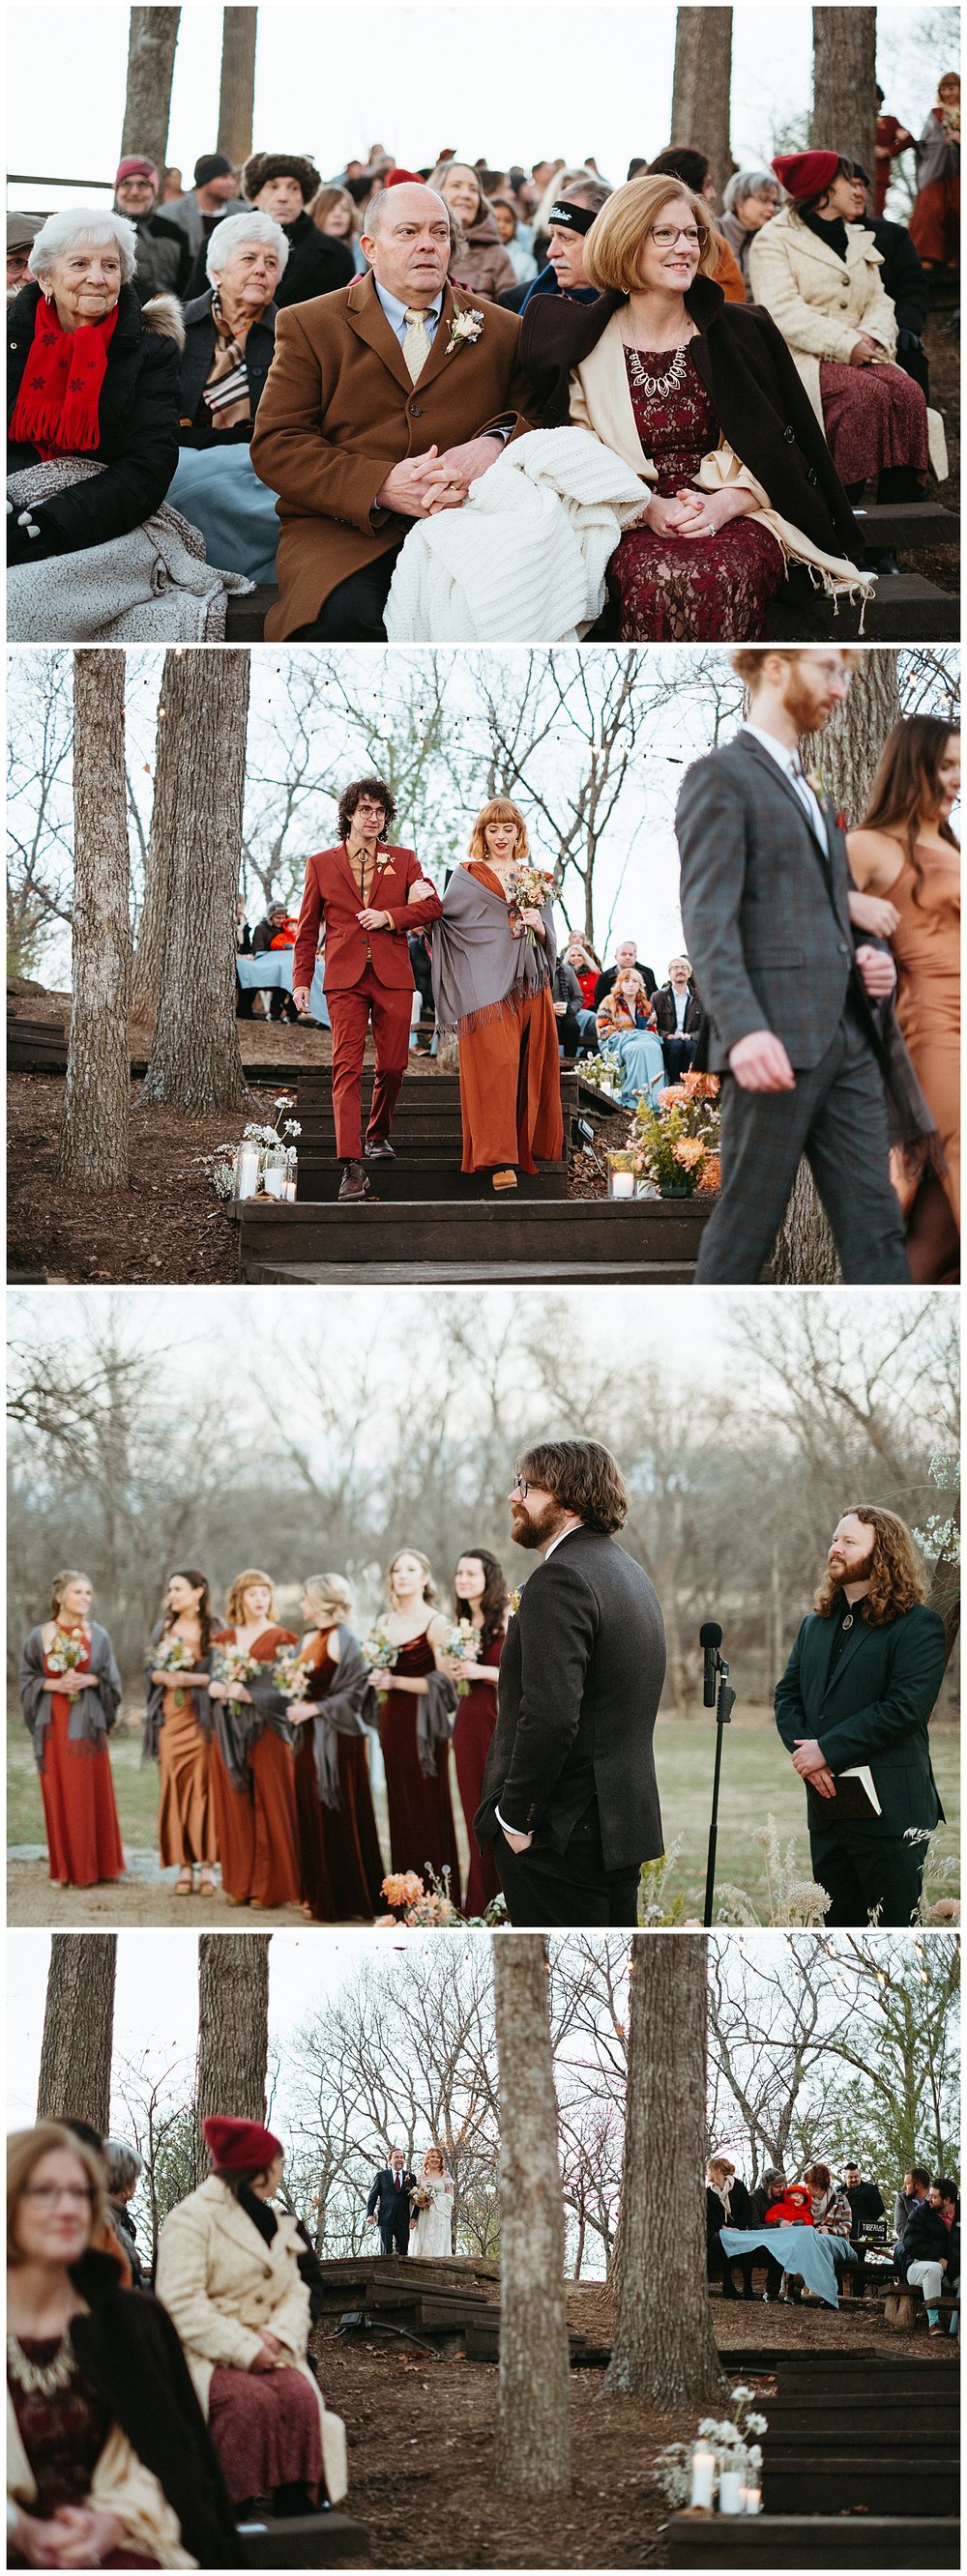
<point>264,1137</point>
<point>603,1076</point>
<point>174,1656</point>
<point>676,1146</point>
<point>291,1677</point>
<point>66,1653</point>
<point>728,2438</point>
<point>465,328</point>
<point>236,1669</point>
<point>378,1650</point>
<point>528,888</point>
<point>421,2198</point>
<point>463,1644</point>
<point>426,1904</point>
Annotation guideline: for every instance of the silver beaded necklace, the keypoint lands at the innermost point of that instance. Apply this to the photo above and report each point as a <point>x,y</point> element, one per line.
<point>41,2378</point>
<point>658,385</point>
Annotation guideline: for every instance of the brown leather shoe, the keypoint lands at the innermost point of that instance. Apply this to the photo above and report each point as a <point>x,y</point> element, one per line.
<point>379,1150</point>
<point>354,1184</point>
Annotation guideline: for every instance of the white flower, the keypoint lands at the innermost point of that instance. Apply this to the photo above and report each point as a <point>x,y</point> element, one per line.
<point>757,2423</point>
<point>465,326</point>
<point>291,1127</point>
<point>742,2395</point>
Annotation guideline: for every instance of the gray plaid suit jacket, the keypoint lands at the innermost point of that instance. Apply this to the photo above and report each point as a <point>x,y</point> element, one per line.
<point>765,909</point>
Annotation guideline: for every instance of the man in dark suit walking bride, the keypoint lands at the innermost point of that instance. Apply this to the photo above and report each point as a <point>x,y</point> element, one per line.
<point>389,2203</point>
<point>570,1800</point>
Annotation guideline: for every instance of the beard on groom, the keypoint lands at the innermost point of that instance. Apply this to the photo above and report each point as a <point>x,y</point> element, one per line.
<point>570,1799</point>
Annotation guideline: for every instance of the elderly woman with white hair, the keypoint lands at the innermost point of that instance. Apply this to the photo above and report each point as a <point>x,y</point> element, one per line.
<point>92,445</point>
<point>123,2168</point>
<point>229,341</point>
<point>750,200</point>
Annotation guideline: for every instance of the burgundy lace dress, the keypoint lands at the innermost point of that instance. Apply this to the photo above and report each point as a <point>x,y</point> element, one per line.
<point>63,2435</point>
<point>708,589</point>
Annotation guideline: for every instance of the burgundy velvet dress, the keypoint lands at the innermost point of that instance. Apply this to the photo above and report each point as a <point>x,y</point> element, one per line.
<point>342,1865</point>
<point>475,1722</point>
<point>688,589</point>
<point>421,1826</point>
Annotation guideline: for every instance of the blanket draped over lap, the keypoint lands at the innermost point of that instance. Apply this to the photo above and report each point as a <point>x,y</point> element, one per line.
<point>152,586</point>
<point>802,2252</point>
<point>479,970</point>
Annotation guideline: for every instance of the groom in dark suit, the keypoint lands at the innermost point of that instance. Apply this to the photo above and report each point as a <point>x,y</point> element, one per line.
<point>570,1800</point>
<point>765,903</point>
<point>390,2201</point>
<point>858,1690</point>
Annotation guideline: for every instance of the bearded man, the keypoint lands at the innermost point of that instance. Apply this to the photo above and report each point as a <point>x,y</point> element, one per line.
<point>765,889</point>
<point>853,1708</point>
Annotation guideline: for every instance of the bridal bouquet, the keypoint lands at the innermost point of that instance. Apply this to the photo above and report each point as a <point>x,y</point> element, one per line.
<point>235,1669</point>
<point>65,1655</point>
<point>421,2198</point>
<point>528,888</point>
<point>291,1677</point>
<point>676,1145</point>
<point>463,1644</point>
<point>378,1650</point>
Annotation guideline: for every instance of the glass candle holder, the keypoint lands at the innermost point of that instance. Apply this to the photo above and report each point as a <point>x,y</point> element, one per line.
<point>621,1174</point>
<point>247,1162</point>
<point>702,2498</point>
<point>275,1172</point>
<point>731,2490</point>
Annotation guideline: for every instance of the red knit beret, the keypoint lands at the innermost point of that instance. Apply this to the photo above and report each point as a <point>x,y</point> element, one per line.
<point>240,2146</point>
<point>806,174</point>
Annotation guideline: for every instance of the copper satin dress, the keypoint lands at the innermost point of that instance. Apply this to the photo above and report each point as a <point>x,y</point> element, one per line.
<point>186,1814</point>
<point>927,950</point>
<point>83,1833</point>
<point>256,1828</point>
<point>510,1079</point>
<point>421,1826</point>
<point>342,1865</point>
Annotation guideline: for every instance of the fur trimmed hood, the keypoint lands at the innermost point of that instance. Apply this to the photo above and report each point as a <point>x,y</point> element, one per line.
<point>163,314</point>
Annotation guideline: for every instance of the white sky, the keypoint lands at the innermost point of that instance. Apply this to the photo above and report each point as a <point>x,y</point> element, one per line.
<point>512,83</point>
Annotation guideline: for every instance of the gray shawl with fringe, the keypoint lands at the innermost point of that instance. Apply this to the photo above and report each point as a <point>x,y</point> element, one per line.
<point>154,1693</point>
<point>348,1708</point>
<point>479,970</point>
<point>436,1709</point>
<point>240,1724</point>
<point>92,1713</point>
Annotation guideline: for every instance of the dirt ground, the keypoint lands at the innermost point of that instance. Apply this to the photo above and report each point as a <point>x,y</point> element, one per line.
<point>942,346</point>
<point>420,2445</point>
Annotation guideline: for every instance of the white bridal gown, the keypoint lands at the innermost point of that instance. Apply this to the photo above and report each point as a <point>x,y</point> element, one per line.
<point>433,2233</point>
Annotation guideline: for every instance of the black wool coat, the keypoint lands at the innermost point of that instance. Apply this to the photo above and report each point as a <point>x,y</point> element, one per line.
<point>130,2352</point>
<point>757,392</point>
<point>199,351</point>
<point>138,422</point>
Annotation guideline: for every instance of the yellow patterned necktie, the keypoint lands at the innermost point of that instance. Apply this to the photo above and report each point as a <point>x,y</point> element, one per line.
<point>417,344</point>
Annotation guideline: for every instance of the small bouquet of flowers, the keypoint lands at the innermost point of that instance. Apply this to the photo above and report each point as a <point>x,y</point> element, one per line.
<point>378,1650</point>
<point>235,1669</point>
<point>528,889</point>
<point>421,2198</point>
<point>290,1676</point>
<point>66,1653</point>
<point>602,1075</point>
<point>172,1655</point>
<point>676,1145</point>
<point>463,1644</point>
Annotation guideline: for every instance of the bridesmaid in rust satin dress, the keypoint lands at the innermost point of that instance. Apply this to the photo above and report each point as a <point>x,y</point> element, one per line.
<point>76,1786</point>
<point>421,1826</point>
<point>186,1819</point>
<point>342,1865</point>
<point>481,1601</point>
<point>256,1827</point>
<point>906,861</point>
<point>510,1066</point>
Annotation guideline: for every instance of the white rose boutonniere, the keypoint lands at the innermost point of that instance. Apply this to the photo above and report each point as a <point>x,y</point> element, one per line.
<point>465,327</point>
<point>513,1604</point>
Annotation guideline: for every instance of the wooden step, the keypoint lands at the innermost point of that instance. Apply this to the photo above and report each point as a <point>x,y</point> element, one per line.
<point>903,609</point>
<point>36,1046</point>
<point>799,2413</point>
<point>423,1086</point>
<point>908,526</point>
<point>812,2540</point>
<point>428,1240</point>
<point>421,1176</point>
<point>456,1274</point>
<point>305,2540</point>
<point>824,2481</point>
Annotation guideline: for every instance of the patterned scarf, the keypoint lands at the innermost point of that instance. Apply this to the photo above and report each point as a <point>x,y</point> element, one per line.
<point>56,410</point>
<point>226,394</point>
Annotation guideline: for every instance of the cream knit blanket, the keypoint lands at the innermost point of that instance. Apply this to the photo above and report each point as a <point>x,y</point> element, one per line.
<point>525,560</point>
<point>152,586</point>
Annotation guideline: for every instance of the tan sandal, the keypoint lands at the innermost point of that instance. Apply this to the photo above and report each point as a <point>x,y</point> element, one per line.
<point>207,1887</point>
<point>186,1884</point>
<point>506,1180</point>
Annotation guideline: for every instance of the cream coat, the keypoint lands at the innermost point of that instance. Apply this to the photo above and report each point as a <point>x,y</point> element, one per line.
<point>222,2285</point>
<point>121,2484</point>
<point>822,306</point>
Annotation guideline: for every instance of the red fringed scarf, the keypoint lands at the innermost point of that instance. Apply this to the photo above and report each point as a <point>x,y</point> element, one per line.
<point>56,410</point>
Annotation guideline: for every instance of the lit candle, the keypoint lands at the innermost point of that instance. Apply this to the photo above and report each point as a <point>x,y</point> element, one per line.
<point>275,1180</point>
<point>247,1171</point>
<point>753,2499</point>
<point>622,1185</point>
<point>731,2491</point>
<point>290,1189</point>
<point>703,2479</point>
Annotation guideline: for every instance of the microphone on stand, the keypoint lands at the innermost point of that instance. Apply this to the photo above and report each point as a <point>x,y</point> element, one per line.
<point>710,1639</point>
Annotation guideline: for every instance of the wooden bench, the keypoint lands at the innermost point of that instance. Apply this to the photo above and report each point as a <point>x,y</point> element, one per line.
<point>905,2303</point>
<point>812,2540</point>
<point>305,2540</point>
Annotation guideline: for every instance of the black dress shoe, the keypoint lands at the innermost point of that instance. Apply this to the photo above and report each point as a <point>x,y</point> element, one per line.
<point>379,1150</point>
<point>354,1184</point>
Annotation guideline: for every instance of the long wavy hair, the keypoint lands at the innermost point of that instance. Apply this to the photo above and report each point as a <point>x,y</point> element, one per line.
<point>429,1587</point>
<point>906,787</point>
<point>897,1578</point>
<point>199,1583</point>
<point>495,1595</point>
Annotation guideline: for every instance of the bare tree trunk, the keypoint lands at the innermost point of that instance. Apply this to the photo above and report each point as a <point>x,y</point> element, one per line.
<point>168,754</point>
<point>844,83</point>
<point>236,105</point>
<point>93,1152</point>
<point>75,2056</point>
<point>233,2029</point>
<point>533,2445</point>
<point>195,1063</point>
<point>845,754</point>
<point>664,2346</point>
<point>702,91</point>
<point>152,39</point>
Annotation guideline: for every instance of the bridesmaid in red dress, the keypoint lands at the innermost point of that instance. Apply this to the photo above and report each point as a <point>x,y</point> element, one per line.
<point>71,1692</point>
<point>481,1600</point>
<point>421,1827</point>
<point>253,1782</point>
<point>342,1865</point>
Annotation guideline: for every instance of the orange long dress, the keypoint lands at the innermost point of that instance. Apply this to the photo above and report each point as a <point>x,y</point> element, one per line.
<point>83,1833</point>
<point>510,1079</point>
<point>186,1814</point>
<point>257,1829</point>
<point>927,950</point>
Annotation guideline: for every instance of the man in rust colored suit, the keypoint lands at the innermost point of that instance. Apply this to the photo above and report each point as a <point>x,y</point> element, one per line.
<point>370,896</point>
<point>380,409</point>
